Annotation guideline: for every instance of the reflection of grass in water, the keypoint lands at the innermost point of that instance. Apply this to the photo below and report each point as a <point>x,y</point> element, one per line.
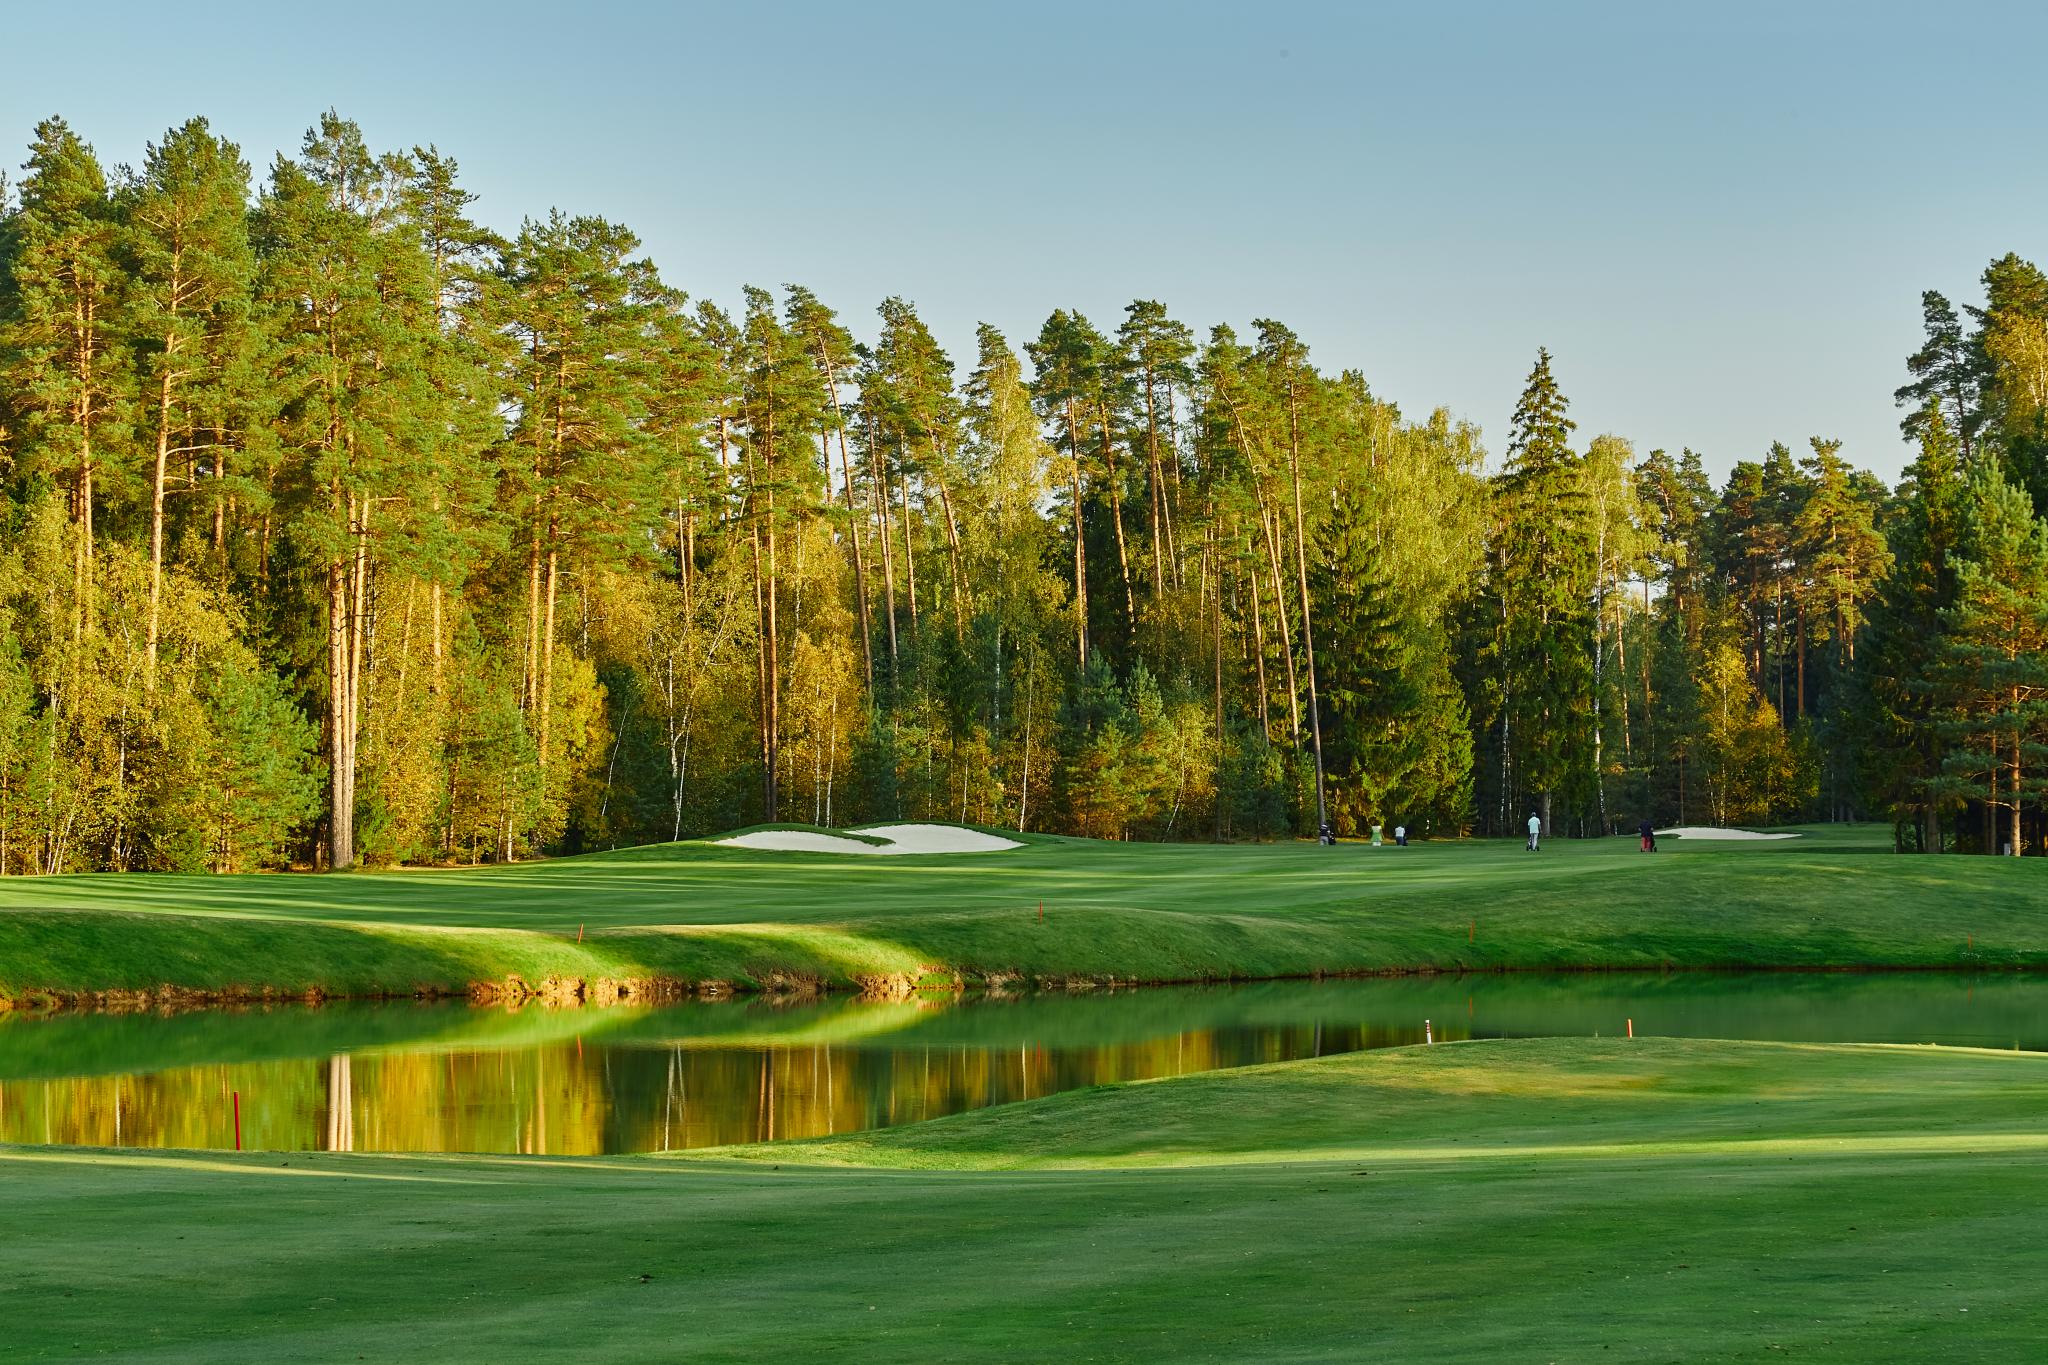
<point>85,1044</point>
<point>1483,1201</point>
<point>1994,1010</point>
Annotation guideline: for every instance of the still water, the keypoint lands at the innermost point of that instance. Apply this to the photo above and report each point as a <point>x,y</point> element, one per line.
<point>452,1078</point>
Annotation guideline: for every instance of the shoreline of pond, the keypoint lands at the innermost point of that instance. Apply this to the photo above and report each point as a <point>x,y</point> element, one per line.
<point>514,993</point>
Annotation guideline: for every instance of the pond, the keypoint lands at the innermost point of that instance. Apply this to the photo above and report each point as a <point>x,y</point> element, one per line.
<point>448,1077</point>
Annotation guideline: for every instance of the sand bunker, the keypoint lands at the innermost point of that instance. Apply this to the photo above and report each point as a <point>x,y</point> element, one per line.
<point>1712,832</point>
<point>901,839</point>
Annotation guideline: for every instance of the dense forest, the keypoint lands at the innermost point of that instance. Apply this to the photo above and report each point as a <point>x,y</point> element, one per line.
<point>337,528</point>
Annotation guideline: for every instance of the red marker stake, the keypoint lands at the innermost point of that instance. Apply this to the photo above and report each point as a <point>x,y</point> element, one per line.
<point>579,933</point>
<point>238,1120</point>
<point>1041,912</point>
<point>1631,1028</point>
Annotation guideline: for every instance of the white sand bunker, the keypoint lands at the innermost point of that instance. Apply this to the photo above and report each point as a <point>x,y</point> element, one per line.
<point>900,839</point>
<point>1715,832</point>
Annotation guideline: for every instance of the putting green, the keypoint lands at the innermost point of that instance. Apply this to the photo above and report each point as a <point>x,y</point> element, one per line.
<point>1483,1201</point>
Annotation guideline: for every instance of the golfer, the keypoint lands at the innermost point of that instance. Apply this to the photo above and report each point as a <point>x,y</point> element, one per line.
<point>1535,830</point>
<point>1648,832</point>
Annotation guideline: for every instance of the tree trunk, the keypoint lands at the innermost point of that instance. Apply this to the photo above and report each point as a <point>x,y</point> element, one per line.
<point>1308,639</point>
<point>952,547</point>
<point>530,679</point>
<point>1024,786</point>
<point>547,647</point>
<point>1116,516</point>
<point>1600,667</point>
<point>860,567</point>
<point>340,774</point>
<point>909,555</point>
<point>774,720</point>
<point>1800,686</point>
<point>1251,582</point>
<point>2017,845</point>
<point>860,575</point>
<point>1155,485</point>
<point>1080,541</point>
<point>220,500</point>
<point>878,492</point>
<point>1266,519</point>
<point>1216,654</point>
<point>156,519</point>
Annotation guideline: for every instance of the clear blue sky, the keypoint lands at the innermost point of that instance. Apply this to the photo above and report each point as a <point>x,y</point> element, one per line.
<point>1718,217</point>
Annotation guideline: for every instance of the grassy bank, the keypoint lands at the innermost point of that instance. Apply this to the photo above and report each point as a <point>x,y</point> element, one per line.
<point>1540,1200</point>
<point>698,912</point>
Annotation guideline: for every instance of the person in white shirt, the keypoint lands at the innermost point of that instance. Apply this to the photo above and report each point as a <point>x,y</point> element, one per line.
<point>1535,831</point>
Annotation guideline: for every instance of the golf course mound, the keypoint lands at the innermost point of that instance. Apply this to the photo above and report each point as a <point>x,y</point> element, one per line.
<point>874,839</point>
<point>1491,1100</point>
<point>707,917</point>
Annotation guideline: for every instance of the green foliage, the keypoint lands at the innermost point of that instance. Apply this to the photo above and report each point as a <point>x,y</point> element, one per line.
<point>546,557</point>
<point>1993,671</point>
<point>262,784</point>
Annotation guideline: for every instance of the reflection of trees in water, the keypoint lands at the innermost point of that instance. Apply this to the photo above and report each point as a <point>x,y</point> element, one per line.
<point>341,1104</point>
<point>567,1099</point>
<point>522,1082</point>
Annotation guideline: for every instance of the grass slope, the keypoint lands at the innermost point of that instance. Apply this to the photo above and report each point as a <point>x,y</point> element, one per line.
<point>698,911</point>
<point>1486,1201</point>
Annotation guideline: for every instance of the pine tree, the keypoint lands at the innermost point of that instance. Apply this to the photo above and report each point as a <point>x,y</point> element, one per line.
<point>1543,586</point>
<point>2012,341</point>
<point>262,783</point>
<point>1155,352</point>
<point>586,476</point>
<point>1376,688</point>
<point>63,359</point>
<point>1993,671</point>
<point>190,271</point>
<point>781,410</point>
<point>341,290</point>
<point>1891,711</point>
<point>1290,379</point>
<point>1840,547</point>
<point>832,350</point>
<point>1947,377</point>
<point>1066,357</point>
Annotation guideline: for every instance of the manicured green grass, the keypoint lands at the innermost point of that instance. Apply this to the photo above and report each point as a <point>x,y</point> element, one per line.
<point>1647,1200</point>
<point>1151,912</point>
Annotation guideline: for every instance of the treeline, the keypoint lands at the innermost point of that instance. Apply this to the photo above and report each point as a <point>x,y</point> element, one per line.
<point>340,528</point>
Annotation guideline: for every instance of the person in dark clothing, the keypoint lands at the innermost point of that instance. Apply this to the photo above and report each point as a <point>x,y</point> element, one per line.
<point>1649,833</point>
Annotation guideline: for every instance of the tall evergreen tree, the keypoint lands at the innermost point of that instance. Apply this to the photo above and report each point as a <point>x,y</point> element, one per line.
<point>1947,376</point>
<point>1891,712</point>
<point>190,276</point>
<point>1543,584</point>
<point>62,355</point>
<point>1066,358</point>
<point>341,299</point>
<point>1993,672</point>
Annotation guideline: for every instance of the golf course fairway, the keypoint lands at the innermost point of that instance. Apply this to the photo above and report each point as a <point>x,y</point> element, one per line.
<point>1055,910</point>
<point>1535,1200</point>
